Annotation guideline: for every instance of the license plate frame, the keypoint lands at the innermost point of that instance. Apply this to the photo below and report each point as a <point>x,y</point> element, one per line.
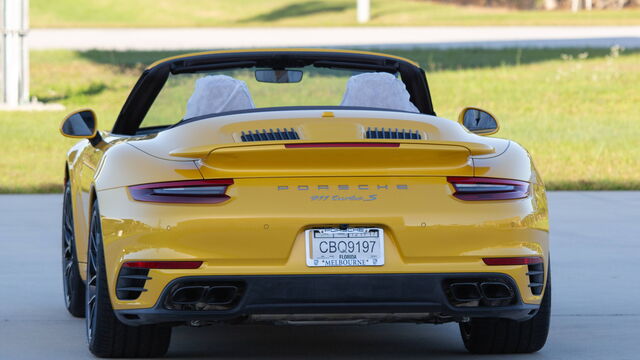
<point>349,245</point>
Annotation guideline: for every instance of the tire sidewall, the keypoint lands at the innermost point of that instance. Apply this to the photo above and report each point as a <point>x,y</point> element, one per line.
<point>100,283</point>
<point>73,286</point>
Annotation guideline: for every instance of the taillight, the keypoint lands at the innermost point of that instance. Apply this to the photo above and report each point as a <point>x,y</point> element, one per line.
<point>163,264</point>
<point>477,188</point>
<point>184,192</point>
<point>528,260</point>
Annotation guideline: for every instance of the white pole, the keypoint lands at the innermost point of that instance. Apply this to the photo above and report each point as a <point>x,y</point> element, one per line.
<point>2,52</point>
<point>364,11</point>
<point>575,5</point>
<point>24,63</point>
<point>16,70</point>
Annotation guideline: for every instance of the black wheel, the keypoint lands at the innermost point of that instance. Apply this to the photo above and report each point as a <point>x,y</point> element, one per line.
<point>107,336</point>
<point>504,336</point>
<point>72,284</point>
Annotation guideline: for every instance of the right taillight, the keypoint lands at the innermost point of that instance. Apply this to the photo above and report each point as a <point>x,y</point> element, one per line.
<point>477,188</point>
<point>526,260</point>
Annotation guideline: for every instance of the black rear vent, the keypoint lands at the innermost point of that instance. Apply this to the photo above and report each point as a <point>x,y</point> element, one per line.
<point>270,135</point>
<point>131,283</point>
<point>536,278</point>
<point>393,134</point>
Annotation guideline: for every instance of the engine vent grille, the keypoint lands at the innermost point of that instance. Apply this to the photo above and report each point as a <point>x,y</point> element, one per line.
<point>131,283</point>
<point>393,134</point>
<point>536,278</point>
<point>269,135</point>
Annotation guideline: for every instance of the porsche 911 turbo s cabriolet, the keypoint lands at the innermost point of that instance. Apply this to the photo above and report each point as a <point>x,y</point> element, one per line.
<point>299,186</point>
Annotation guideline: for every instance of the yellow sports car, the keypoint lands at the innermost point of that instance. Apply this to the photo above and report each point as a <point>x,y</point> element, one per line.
<point>299,186</point>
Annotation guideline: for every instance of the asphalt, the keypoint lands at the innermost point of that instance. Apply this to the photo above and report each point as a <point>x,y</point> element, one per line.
<point>350,37</point>
<point>595,247</point>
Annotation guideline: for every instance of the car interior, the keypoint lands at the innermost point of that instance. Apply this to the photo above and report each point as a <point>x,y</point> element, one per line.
<point>214,94</point>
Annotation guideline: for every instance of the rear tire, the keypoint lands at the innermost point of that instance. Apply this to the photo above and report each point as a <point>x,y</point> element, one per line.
<point>106,335</point>
<point>505,336</point>
<point>72,284</point>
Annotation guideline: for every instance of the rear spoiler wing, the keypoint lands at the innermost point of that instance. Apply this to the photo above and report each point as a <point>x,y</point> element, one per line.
<point>204,151</point>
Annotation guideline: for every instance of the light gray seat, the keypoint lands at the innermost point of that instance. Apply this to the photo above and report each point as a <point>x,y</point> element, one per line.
<point>377,90</point>
<point>218,93</point>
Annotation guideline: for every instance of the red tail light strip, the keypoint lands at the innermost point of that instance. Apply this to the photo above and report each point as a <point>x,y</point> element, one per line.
<point>478,188</point>
<point>183,192</point>
<point>333,145</point>
<point>163,264</point>
<point>513,261</point>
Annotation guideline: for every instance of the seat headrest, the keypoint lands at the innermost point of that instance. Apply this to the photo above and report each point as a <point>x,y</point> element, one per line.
<point>378,90</point>
<point>218,93</point>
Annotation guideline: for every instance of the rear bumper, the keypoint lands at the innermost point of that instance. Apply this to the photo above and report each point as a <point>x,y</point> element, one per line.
<point>420,297</point>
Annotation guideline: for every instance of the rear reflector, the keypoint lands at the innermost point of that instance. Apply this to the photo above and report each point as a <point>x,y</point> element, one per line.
<point>184,192</point>
<point>513,261</point>
<point>477,188</point>
<point>333,145</point>
<point>163,264</point>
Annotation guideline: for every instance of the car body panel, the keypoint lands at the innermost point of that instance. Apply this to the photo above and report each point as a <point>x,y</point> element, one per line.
<point>344,125</point>
<point>260,230</point>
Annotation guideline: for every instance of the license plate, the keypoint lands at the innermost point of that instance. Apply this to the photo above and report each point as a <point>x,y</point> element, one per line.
<point>350,247</point>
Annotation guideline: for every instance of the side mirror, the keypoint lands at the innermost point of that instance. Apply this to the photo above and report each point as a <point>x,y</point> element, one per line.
<point>82,124</point>
<point>478,121</point>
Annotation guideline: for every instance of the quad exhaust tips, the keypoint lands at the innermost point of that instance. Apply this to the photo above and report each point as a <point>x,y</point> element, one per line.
<point>490,293</point>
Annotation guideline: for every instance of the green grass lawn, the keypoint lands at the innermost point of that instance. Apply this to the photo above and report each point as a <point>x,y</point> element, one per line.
<point>575,110</point>
<point>171,13</point>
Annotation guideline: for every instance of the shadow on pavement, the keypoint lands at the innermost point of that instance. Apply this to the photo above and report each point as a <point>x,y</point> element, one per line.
<point>299,9</point>
<point>378,341</point>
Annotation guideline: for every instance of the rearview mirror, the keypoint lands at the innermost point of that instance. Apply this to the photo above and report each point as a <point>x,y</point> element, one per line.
<point>478,121</point>
<point>279,76</point>
<point>80,124</point>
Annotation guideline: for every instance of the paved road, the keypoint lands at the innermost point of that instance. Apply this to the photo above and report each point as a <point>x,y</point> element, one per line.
<point>595,313</point>
<point>403,37</point>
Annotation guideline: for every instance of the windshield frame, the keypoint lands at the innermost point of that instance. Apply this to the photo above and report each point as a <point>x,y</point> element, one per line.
<point>153,78</point>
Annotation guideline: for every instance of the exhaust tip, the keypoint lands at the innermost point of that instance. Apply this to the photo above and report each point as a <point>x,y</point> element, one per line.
<point>221,295</point>
<point>465,292</point>
<point>188,294</point>
<point>480,292</point>
<point>496,291</point>
<point>204,295</point>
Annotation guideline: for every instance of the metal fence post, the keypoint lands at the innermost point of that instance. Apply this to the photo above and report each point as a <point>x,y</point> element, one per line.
<point>364,11</point>
<point>24,46</point>
<point>15,54</point>
<point>2,52</point>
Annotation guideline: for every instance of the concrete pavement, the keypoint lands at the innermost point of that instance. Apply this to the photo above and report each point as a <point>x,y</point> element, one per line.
<point>382,37</point>
<point>595,249</point>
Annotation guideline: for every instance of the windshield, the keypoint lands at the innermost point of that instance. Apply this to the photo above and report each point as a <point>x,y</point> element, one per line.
<point>203,94</point>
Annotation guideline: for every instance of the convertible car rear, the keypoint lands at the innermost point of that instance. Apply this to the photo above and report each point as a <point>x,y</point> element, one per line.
<point>300,187</point>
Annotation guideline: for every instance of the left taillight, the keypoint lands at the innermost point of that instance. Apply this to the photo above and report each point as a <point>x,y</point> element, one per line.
<point>477,188</point>
<point>183,192</point>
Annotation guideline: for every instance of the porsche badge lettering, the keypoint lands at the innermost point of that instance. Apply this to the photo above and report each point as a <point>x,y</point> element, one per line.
<point>344,197</point>
<point>343,187</point>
